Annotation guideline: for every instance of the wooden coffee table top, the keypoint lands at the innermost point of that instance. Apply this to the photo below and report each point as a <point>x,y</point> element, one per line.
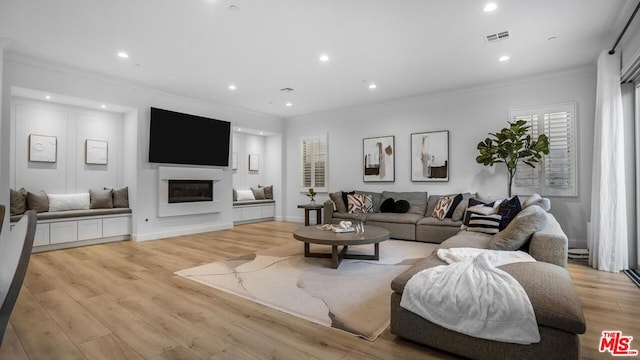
<point>315,235</point>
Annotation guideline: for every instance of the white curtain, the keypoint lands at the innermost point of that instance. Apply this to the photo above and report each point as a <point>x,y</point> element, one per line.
<point>607,235</point>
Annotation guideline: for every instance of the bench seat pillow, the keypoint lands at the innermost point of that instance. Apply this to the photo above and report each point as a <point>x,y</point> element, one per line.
<point>63,202</point>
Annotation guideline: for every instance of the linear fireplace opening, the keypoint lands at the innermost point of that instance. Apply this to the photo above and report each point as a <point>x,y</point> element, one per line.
<point>181,191</point>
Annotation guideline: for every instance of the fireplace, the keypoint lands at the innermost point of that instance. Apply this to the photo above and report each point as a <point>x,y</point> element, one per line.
<point>181,191</point>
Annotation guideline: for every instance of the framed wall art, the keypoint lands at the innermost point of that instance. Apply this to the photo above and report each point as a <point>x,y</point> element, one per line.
<point>43,148</point>
<point>96,152</point>
<point>379,159</point>
<point>254,162</point>
<point>430,156</point>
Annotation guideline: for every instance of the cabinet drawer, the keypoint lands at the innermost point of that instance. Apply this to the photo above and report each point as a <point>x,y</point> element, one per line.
<point>89,229</point>
<point>251,213</point>
<point>268,211</point>
<point>237,214</point>
<point>62,232</point>
<point>116,226</point>
<point>42,235</point>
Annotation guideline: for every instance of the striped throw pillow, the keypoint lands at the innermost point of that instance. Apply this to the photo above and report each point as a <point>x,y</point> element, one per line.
<point>488,224</point>
<point>359,203</point>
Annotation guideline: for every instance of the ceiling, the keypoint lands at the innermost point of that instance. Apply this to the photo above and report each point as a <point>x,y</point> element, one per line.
<point>197,48</point>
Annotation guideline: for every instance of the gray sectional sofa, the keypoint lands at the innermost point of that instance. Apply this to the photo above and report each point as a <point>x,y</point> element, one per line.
<point>547,283</point>
<point>416,224</point>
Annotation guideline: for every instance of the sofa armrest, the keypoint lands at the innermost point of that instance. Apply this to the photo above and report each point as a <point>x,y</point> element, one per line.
<point>550,244</point>
<point>328,212</point>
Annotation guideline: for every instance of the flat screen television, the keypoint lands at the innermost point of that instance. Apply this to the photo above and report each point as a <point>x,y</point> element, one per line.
<point>177,138</point>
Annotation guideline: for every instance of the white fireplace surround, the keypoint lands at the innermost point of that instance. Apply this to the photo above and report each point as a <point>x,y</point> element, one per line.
<point>166,173</point>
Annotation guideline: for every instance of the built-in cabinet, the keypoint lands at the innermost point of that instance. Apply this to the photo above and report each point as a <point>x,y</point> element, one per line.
<point>253,213</point>
<point>62,233</point>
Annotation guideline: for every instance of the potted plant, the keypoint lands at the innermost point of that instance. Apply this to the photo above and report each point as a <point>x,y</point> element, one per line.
<point>312,195</point>
<point>512,145</point>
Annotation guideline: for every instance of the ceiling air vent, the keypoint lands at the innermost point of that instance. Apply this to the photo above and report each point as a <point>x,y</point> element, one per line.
<point>286,90</point>
<point>493,38</point>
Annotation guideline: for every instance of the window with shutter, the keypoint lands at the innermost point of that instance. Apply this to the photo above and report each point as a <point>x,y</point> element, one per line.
<point>555,175</point>
<point>313,163</point>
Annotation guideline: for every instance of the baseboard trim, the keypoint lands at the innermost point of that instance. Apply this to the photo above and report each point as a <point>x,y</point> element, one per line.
<point>180,232</point>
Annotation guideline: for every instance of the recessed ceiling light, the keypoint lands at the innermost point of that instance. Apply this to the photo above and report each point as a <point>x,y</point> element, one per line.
<point>47,97</point>
<point>232,87</point>
<point>289,104</point>
<point>324,57</point>
<point>239,129</point>
<point>234,7</point>
<point>489,7</point>
<point>103,106</point>
<point>372,86</point>
<point>123,55</point>
<point>261,133</point>
<point>503,58</point>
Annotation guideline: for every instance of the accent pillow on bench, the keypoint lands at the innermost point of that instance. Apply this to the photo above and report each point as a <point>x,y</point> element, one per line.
<point>63,202</point>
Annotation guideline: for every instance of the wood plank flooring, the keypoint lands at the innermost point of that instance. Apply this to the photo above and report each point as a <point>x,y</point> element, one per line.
<point>122,301</point>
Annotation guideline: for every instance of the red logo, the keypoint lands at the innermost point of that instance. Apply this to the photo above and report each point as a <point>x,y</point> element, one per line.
<point>617,344</point>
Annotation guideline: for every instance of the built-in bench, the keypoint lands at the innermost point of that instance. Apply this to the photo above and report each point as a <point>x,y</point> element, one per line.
<point>71,228</point>
<point>248,211</point>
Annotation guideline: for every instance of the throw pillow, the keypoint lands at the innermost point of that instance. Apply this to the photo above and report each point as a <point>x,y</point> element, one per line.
<point>520,229</point>
<point>509,209</point>
<point>480,209</point>
<point>387,206</point>
<point>65,202</point>
<point>120,197</point>
<point>401,207</point>
<point>488,224</point>
<point>37,202</point>
<point>359,203</point>
<point>235,195</point>
<point>244,195</point>
<point>536,199</point>
<point>344,196</point>
<point>18,201</point>
<point>258,193</point>
<point>268,191</point>
<point>456,200</point>
<point>442,207</point>
<point>101,199</point>
<point>458,213</point>
<point>336,197</point>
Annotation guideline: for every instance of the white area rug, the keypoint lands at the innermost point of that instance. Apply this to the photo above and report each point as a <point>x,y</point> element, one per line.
<point>353,298</point>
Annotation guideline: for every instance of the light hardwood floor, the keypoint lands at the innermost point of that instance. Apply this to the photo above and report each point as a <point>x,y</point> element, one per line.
<point>122,301</point>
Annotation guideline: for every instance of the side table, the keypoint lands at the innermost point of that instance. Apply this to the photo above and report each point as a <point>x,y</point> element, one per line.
<point>307,208</point>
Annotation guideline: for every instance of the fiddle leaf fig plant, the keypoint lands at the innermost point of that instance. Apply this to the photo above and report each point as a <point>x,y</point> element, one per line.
<point>512,145</point>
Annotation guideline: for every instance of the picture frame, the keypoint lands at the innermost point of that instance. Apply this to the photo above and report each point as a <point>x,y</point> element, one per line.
<point>430,156</point>
<point>234,161</point>
<point>43,148</point>
<point>378,159</point>
<point>96,152</point>
<point>254,162</point>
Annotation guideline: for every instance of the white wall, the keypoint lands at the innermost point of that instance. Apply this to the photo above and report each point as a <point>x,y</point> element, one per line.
<point>72,126</point>
<point>243,145</point>
<point>29,73</point>
<point>468,115</point>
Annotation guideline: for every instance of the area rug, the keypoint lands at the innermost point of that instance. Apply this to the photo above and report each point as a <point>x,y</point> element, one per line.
<point>353,298</point>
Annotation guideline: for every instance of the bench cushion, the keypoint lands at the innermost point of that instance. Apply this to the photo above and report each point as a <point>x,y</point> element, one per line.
<point>75,213</point>
<point>253,202</point>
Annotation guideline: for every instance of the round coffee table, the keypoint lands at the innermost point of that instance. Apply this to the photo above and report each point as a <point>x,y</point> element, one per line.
<point>315,235</point>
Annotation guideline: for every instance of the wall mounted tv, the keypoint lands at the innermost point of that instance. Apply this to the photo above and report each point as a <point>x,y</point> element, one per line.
<point>176,138</point>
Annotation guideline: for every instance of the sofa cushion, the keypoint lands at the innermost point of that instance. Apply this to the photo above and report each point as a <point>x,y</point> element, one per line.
<point>351,216</point>
<point>407,218</point>
<point>101,199</point>
<point>387,205</point>
<point>458,213</point>
<point>18,201</point>
<point>442,207</point>
<point>456,200</point>
<point>376,199</point>
<point>359,203</point>
<point>508,210</point>
<point>488,224</point>
<point>336,197</point>
<point>520,230</point>
<point>258,193</point>
<point>417,200</point>
<point>431,221</point>
<point>37,201</point>
<point>536,199</point>
<point>401,207</point>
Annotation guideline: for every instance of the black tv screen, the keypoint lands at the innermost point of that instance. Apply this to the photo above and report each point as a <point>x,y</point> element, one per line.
<point>176,138</point>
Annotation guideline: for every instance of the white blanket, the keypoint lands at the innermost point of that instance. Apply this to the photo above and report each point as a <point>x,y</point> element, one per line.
<point>472,296</point>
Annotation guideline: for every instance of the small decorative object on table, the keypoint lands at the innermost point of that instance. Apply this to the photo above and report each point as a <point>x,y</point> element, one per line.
<point>312,195</point>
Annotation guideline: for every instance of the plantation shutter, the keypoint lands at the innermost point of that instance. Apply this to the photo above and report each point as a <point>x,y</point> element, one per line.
<point>313,163</point>
<point>556,173</point>
<point>526,176</point>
